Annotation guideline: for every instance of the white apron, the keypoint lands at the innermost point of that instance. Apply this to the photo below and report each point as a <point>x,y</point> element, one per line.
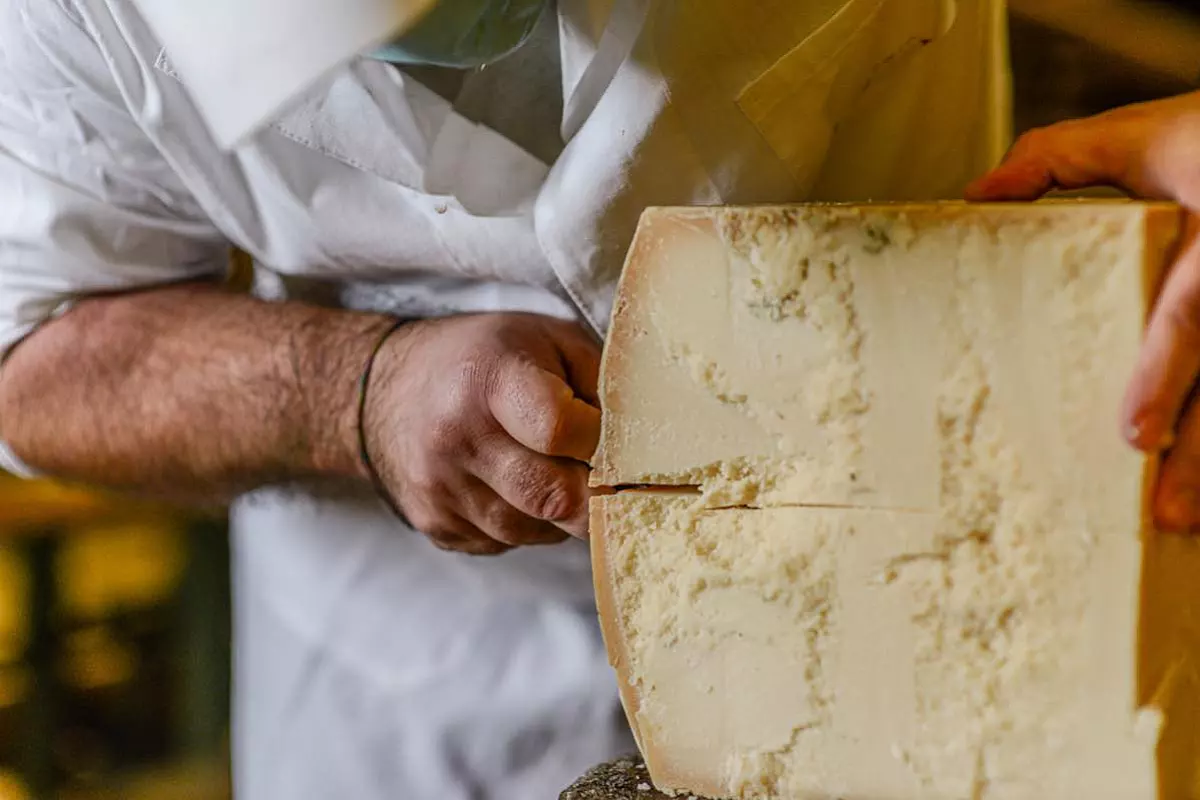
<point>370,665</point>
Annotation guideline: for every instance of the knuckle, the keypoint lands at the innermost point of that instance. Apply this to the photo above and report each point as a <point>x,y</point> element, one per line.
<point>488,549</point>
<point>504,523</point>
<point>459,419</point>
<point>1175,506</point>
<point>446,545</point>
<point>446,536</point>
<point>426,522</point>
<point>549,496</point>
<point>1184,317</point>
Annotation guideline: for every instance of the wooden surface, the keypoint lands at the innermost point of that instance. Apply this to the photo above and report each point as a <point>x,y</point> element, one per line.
<point>624,779</point>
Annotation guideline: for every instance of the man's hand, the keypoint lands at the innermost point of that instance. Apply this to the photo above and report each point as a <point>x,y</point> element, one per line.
<point>481,428</point>
<point>1152,151</point>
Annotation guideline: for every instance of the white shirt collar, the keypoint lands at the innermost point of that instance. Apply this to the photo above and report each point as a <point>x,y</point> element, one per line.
<point>243,61</point>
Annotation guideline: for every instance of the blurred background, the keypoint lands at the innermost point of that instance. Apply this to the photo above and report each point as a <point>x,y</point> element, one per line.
<point>1072,58</point>
<point>114,615</point>
<point>114,647</point>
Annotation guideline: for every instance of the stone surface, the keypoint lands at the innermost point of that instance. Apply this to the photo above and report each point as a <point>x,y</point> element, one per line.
<point>623,779</point>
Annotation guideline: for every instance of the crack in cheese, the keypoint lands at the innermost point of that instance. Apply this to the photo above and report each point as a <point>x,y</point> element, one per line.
<point>917,564</point>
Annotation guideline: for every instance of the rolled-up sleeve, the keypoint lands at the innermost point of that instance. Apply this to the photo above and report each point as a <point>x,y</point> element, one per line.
<point>88,205</point>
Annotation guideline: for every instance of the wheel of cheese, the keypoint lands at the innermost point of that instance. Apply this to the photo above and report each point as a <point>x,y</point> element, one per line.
<point>874,530</point>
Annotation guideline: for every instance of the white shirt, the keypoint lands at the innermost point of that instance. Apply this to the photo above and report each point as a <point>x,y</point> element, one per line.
<point>369,664</point>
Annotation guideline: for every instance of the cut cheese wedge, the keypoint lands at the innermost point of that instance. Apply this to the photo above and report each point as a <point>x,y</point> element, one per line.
<point>877,535</point>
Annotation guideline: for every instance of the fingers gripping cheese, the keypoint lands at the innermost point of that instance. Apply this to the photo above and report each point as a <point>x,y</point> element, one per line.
<point>877,535</point>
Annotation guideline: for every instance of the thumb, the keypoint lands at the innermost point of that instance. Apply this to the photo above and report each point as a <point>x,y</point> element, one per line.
<point>580,356</point>
<point>539,409</point>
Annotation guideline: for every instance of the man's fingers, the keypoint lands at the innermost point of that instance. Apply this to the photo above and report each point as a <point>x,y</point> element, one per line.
<point>538,409</point>
<point>454,534</point>
<point>1071,155</point>
<point>1169,360</point>
<point>1019,177</point>
<point>554,490</point>
<point>475,546</point>
<point>1112,149</point>
<point>1177,498</point>
<point>501,521</point>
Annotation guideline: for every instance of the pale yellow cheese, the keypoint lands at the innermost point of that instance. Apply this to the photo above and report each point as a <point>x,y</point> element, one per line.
<point>906,555</point>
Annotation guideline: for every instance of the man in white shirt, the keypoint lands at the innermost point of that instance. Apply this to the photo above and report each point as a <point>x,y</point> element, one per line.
<point>490,209</point>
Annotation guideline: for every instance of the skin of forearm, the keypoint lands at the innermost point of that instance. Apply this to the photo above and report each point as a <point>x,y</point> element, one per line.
<point>189,392</point>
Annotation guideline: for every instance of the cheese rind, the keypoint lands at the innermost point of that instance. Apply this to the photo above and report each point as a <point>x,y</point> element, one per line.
<point>904,560</point>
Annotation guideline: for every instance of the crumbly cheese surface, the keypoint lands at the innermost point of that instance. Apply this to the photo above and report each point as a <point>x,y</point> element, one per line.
<point>906,557</point>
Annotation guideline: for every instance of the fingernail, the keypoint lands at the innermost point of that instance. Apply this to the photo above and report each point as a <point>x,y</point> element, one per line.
<point>1140,435</point>
<point>1132,433</point>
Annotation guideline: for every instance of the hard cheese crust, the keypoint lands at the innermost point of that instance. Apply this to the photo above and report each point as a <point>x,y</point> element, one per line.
<point>895,547</point>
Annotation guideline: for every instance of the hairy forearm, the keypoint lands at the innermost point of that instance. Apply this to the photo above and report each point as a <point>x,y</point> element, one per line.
<point>189,392</point>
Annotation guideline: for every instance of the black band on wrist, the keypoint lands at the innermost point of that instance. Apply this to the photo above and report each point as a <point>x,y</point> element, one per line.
<point>364,384</point>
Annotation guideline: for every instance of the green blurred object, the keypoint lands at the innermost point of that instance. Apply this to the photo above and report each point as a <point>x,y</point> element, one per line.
<point>466,33</point>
